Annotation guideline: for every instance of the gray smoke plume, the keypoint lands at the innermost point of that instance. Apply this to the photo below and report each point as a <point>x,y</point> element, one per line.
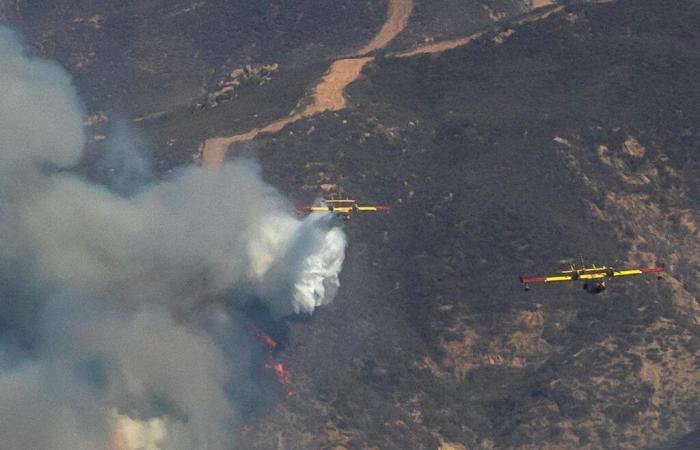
<point>113,328</point>
<point>125,166</point>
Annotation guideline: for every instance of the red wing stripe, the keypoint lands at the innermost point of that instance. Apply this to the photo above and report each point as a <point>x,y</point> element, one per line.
<point>652,270</point>
<point>526,280</point>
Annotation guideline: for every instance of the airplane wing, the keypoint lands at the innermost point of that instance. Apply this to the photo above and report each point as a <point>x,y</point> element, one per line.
<point>549,279</point>
<point>343,207</point>
<point>627,272</point>
<point>597,275</point>
<point>374,208</point>
<point>306,208</point>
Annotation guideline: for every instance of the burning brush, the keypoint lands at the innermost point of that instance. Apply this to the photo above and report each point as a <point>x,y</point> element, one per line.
<point>281,374</point>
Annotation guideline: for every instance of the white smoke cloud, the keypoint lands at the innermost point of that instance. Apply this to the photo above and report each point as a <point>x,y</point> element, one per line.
<point>308,268</point>
<point>39,110</point>
<point>108,301</point>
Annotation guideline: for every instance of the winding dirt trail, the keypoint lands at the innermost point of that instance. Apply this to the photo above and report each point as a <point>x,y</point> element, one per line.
<point>540,3</point>
<point>328,94</point>
<point>439,47</point>
<point>397,19</point>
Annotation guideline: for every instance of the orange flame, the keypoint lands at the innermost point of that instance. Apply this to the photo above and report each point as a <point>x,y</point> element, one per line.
<point>282,374</point>
<point>262,337</point>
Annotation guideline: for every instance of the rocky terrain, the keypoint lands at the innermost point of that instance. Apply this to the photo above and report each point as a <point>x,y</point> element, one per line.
<point>509,136</point>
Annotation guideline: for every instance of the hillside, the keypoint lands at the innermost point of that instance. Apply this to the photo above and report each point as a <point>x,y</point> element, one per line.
<point>576,136</point>
<point>531,136</point>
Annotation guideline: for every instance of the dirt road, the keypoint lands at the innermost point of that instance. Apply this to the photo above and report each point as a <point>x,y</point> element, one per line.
<point>328,94</point>
<point>397,19</point>
<point>439,47</point>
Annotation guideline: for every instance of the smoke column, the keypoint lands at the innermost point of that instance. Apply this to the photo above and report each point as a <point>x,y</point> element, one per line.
<point>111,330</point>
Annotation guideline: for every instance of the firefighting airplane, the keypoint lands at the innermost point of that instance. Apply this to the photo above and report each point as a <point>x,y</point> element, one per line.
<point>593,278</point>
<point>342,207</point>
